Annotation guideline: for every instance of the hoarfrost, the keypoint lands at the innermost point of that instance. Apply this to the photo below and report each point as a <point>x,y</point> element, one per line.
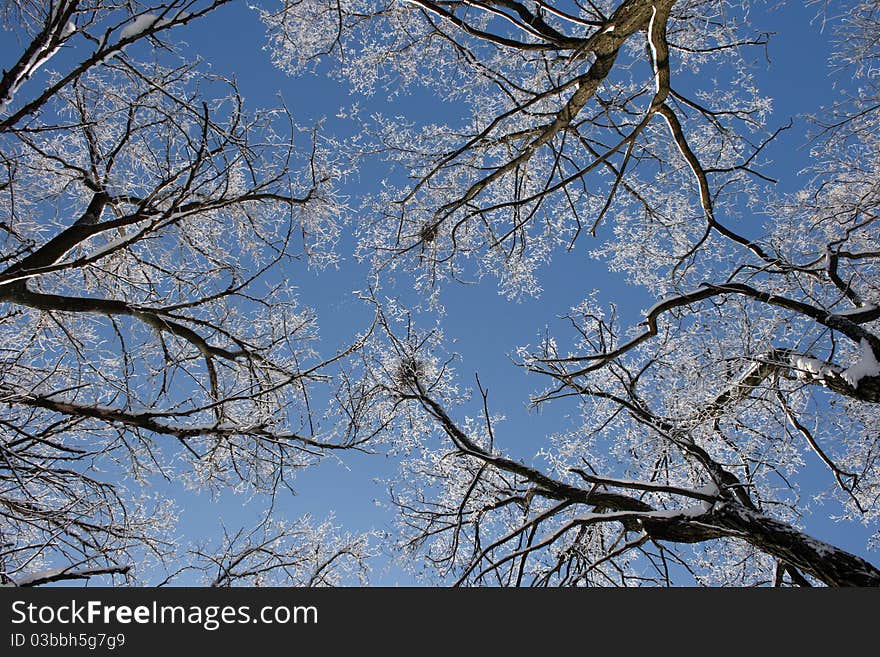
<point>866,365</point>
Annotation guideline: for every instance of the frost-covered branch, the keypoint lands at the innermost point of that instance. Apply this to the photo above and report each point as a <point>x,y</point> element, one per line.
<point>149,223</point>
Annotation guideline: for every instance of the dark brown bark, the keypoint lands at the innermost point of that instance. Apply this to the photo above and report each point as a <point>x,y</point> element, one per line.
<point>831,565</point>
<point>828,564</point>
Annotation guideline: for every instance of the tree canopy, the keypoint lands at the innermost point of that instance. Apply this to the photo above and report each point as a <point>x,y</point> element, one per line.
<point>150,328</point>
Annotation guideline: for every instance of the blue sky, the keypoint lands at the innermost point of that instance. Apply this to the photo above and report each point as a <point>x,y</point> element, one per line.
<point>231,42</point>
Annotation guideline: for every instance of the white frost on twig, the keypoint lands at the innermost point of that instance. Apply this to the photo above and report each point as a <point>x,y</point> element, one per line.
<point>866,365</point>
<point>139,25</point>
<point>809,368</point>
<point>42,575</point>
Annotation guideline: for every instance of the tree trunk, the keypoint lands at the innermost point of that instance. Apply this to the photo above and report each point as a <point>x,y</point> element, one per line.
<point>831,565</point>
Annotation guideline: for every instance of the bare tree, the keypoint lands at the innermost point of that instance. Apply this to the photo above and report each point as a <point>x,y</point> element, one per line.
<point>762,349</point>
<point>283,554</point>
<point>147,328</point>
